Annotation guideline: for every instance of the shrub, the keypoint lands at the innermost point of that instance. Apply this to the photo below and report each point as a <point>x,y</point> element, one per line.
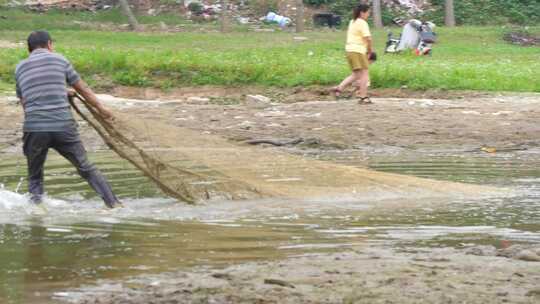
<point>196,8</point>
<point>467,12</point>
<point>317,3</point>
<point>344,9</point>
<point>262,7</point>
<point>488,12</point>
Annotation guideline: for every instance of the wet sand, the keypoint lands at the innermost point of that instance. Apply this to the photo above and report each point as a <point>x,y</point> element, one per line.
<point>363,275</point>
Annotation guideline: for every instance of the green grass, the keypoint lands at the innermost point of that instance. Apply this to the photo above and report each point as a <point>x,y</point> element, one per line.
<point>466,58</point>
<point>5,87</point>
<point>18,19</point>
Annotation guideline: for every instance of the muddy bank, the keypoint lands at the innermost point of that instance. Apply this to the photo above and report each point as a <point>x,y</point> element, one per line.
<point>363,275</point>
<point>473,123</point>
<point>282,95</point>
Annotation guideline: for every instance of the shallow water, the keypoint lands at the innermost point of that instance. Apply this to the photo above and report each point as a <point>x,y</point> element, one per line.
<point>78,242</point>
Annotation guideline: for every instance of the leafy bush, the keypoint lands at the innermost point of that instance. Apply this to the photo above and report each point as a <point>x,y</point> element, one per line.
<point>262,7</point>
<point>317,3</point>
<point>488,12</point>
<point>196,8</point>
<point>171,2</point>
<point>467,12</point>
<point>344,8</point>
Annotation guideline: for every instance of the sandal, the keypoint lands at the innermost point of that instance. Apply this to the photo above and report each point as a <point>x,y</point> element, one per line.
<point>365,100</point>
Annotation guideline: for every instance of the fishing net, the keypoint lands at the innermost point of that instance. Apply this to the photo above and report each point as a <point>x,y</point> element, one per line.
<point>194,167</point>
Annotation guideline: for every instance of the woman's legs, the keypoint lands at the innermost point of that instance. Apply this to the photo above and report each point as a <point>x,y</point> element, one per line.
<point>346,82</point>
<point>359,77</point>
<point>362,82</point>
<point>353,78</point>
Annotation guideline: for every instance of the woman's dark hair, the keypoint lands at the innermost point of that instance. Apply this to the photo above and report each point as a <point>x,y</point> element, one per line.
<point>360,8</point>
<point>38,39</point>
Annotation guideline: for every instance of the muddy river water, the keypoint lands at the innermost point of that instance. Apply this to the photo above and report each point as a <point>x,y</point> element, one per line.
<point>43,256</point>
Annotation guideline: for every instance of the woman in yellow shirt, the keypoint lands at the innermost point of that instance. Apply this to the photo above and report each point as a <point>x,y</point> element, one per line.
<point>358,49</point>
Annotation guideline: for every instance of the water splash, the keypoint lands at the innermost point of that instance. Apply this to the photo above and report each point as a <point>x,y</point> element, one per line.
<point>19,185</point>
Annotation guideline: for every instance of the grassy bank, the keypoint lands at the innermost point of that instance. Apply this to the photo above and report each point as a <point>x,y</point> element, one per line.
<point>468,58</point>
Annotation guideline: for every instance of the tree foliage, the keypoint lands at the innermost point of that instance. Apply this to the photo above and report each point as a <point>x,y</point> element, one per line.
<point>317,3</point>
<point>344,8</point>
<point>489,12</point>
<point>467,12</point>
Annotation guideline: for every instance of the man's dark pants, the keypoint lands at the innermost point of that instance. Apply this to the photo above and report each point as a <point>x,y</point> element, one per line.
<point>69,145</point>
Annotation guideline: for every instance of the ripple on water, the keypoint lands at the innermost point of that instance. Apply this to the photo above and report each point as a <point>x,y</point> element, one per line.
<point>78,240</point>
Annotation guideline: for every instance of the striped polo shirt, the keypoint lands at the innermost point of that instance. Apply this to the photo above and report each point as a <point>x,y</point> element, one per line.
<point>41,82</point>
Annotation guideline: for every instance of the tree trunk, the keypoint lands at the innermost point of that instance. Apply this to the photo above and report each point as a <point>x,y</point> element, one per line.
<point>133,24</point>
<point>449,19</point>
<point>377,14</point>
<point>299,16</point>
<point>224,24</point>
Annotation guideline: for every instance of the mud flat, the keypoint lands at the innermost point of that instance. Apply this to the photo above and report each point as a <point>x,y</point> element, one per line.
<point>461,123</point>
<point>363,275</point>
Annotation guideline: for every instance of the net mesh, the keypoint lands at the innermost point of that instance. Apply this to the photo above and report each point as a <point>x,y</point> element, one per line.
<point>193,167</point>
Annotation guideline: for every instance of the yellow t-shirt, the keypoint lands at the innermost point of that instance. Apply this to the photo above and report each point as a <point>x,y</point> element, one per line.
<point>358,29</point>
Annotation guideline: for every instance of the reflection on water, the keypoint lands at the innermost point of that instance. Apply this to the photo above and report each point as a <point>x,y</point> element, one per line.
<point>78,242</point>
<point>39,258</point>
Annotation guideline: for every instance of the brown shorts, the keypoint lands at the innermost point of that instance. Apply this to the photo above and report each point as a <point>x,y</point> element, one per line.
<point>357,61</point>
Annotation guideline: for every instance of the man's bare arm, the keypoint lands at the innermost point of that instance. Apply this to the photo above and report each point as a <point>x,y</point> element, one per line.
<point>82,88</point>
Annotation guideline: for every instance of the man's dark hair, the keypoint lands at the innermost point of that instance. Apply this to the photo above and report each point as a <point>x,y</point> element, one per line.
<point>360,8</point>
<point>38,39</point>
